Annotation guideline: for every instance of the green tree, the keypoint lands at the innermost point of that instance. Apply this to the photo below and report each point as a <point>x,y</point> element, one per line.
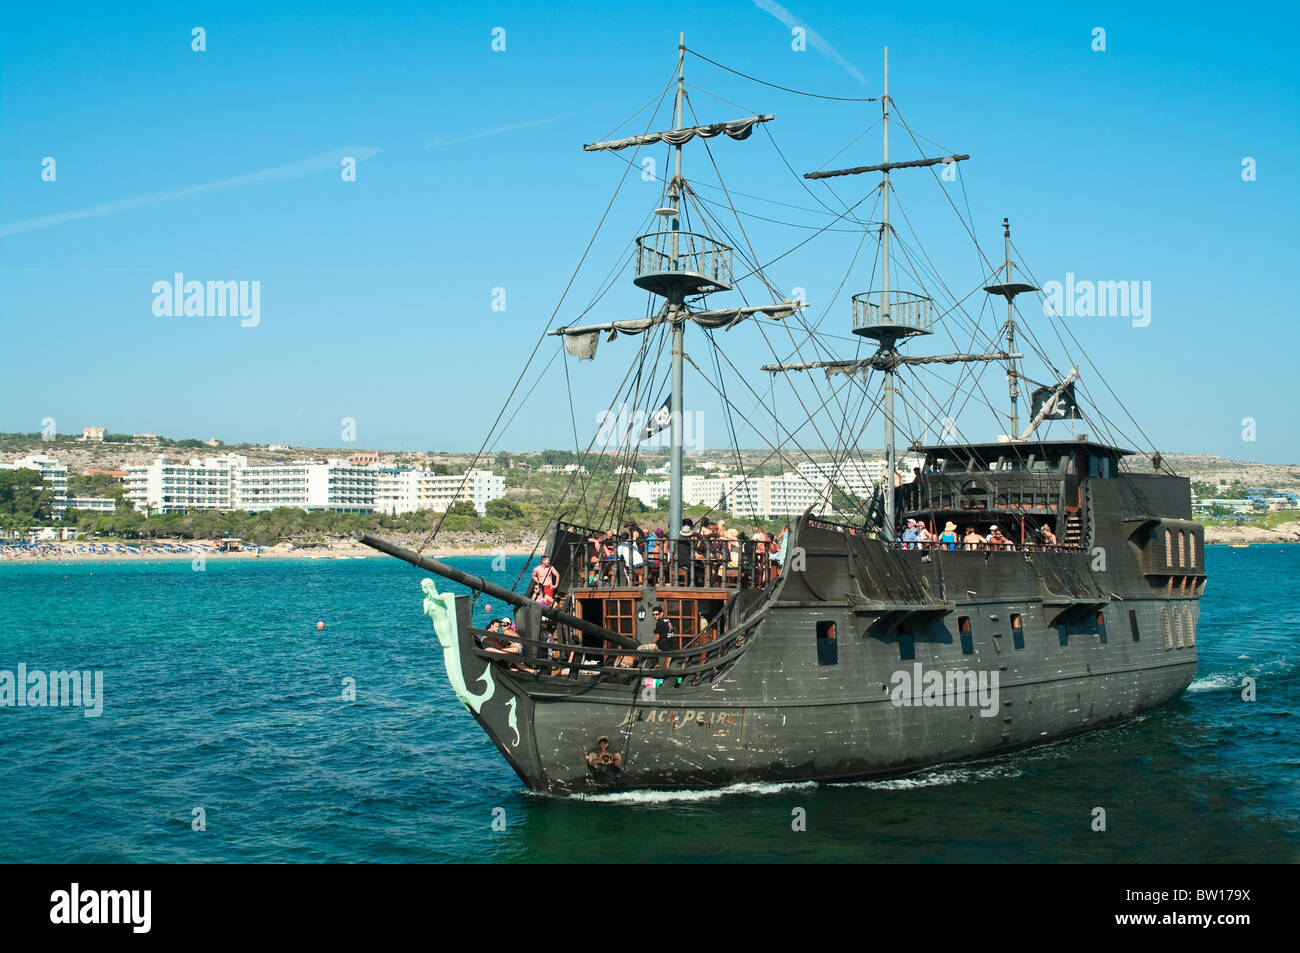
<point>462,508</point>
<point>23,494</point>
<point>504,509</point>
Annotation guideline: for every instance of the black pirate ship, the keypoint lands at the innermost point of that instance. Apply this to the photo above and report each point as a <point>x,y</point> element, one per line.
<point>860,647</point>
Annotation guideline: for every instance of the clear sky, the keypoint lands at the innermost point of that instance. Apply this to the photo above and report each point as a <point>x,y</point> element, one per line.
<point>376,294</point>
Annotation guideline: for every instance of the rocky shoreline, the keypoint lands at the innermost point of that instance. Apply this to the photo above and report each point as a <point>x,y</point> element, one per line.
<point>1237,535</point>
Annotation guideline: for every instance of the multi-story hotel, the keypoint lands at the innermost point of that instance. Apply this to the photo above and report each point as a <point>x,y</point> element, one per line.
<point>164,487</point>
<point>53,474</point>
<point>769,497</point>
<point>229,483</point>
<point>764,497</point>
<point>405,491</point>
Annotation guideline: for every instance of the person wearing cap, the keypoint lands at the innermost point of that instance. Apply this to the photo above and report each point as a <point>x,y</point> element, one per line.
<point>910,535</point>
<point>997,540</point>
<point>948,538</point>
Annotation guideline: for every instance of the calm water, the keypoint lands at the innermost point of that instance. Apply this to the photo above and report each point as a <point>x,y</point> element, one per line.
<point>220,693</point>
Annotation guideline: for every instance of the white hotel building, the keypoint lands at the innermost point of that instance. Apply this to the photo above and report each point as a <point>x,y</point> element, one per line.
<point>53,474</point>
<point>163,487</point>
<point>764,497</point>
<point>406,491</point>
<point>229,483</point>
<point>773,496</point>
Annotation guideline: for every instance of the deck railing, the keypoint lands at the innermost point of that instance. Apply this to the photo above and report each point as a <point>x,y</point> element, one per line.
<point>562,653</point>
<point>690,563</point>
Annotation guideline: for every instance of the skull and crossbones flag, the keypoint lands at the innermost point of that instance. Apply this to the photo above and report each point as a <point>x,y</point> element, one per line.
<point>1065,407</point>
<point>660,419</point>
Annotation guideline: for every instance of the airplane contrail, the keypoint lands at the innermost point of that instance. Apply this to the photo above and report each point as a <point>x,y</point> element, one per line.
<point>816,39</point>
<point>495,131</point>
<point>326,160</point>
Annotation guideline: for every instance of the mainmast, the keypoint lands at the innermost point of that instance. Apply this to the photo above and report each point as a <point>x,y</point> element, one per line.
<point>887,316</point>
<point>674,303</point>
<point>891,464</point>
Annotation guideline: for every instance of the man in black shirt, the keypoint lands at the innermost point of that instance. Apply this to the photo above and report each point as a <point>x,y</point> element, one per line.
<point>665,639</point>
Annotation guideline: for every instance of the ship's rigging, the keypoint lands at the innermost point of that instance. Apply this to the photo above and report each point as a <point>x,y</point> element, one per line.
<point>695,253</point>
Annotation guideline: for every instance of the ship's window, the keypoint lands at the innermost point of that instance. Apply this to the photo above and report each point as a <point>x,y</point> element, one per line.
<point>1133,624</point>
<point>1189,625</point>
<point>1191,550</point>
<point>906,646</point>
<point>1017,631</point>
<point>1169,547</point>
<point>967,638</point>
<point>1178,628</point>
<point>1101,627</point>
<point>828,651</point>
<point>1165,628</point>
<point>681,613</point>
<point>1178,550</point>
<point>618,616</point>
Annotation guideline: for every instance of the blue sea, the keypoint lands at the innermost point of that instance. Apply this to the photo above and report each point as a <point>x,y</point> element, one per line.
<point>227,735</point>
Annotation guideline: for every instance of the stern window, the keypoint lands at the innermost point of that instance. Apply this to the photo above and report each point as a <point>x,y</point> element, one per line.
<point>828,652</point>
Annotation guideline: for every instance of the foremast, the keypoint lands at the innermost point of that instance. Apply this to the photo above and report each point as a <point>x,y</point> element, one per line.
<point>676,264</point>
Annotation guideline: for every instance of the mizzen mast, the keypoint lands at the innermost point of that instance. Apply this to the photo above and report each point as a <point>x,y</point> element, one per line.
<point>886,316</point>
<point>1009,289</point>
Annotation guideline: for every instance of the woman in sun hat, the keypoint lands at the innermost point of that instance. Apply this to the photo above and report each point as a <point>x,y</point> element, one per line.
<point>949,535</point>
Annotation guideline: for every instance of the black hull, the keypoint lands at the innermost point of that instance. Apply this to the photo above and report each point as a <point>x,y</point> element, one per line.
<point>1060,643</point>
<point>782,714</point>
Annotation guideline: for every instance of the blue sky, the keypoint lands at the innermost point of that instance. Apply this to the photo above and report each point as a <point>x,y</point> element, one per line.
<point>376,295</point>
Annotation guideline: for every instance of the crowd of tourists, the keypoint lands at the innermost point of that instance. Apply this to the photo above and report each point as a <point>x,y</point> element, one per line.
<point>918,535</point>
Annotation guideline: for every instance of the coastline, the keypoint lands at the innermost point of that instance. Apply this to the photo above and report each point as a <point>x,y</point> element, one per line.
<point>64,552</point>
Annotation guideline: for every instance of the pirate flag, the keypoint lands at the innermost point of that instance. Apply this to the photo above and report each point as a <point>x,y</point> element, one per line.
<point>1065,407</point>
<point>660,419</point>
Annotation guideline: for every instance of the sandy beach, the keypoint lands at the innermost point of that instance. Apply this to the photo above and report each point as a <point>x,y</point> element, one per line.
<point>66,552</point>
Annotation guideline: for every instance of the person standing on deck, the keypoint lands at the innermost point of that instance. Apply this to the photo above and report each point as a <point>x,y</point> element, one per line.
<point>948,538</point>
<point>545,579</point>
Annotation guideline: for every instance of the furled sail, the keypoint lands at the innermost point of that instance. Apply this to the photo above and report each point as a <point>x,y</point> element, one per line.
<point>884,362</point>
<point>581,342</point>
<point>736,129</point>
